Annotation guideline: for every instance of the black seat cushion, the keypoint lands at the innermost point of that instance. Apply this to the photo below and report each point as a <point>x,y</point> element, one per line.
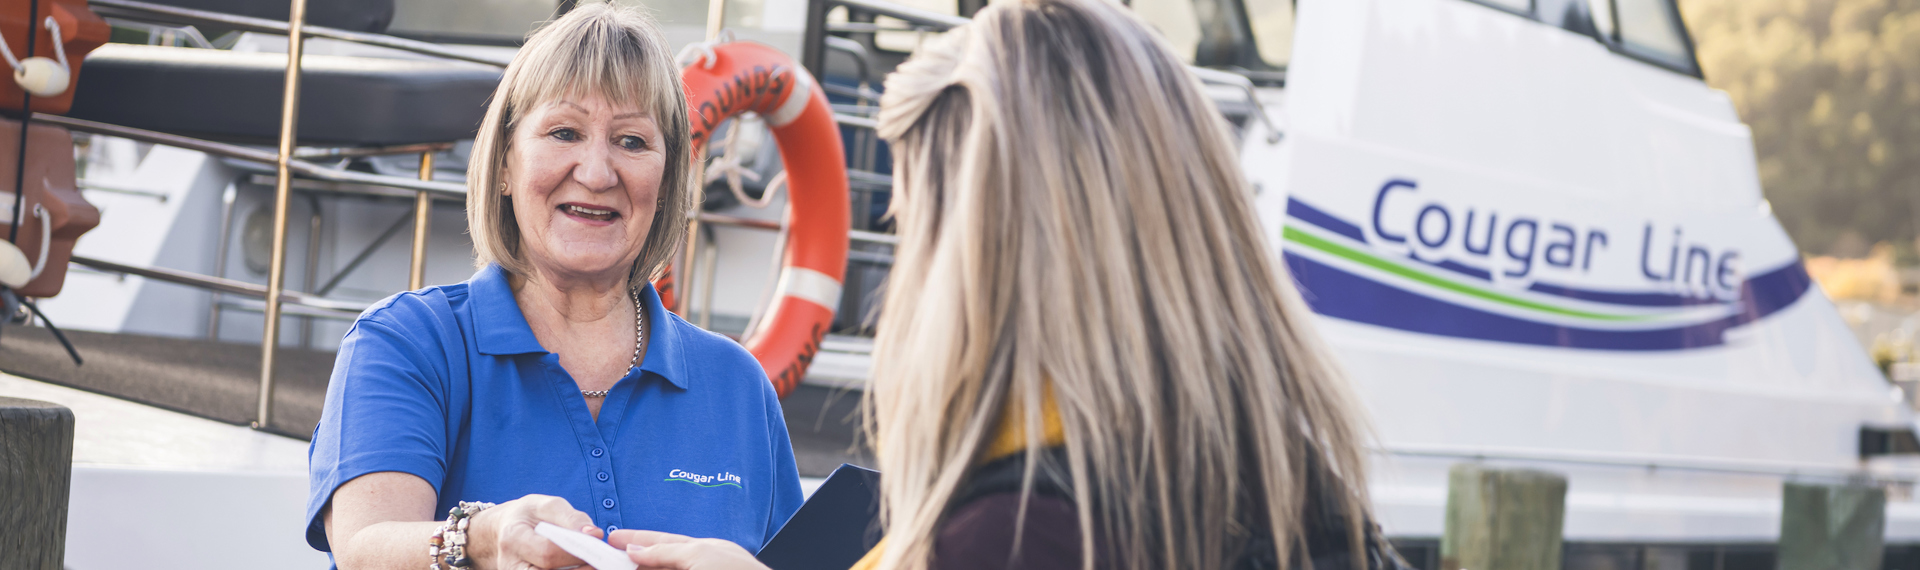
<point>356,15</point>
<point>224,95</point>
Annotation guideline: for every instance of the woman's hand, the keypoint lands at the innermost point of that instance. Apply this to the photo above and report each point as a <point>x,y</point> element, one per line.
<point>502,538</point>
<point>665,551</point>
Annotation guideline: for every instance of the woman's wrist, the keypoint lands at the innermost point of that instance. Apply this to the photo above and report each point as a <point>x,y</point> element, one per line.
<point>483,539</point>
<point>450,546</point>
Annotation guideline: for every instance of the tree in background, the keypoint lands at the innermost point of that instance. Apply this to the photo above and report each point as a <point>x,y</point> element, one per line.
<point>1831,89</point>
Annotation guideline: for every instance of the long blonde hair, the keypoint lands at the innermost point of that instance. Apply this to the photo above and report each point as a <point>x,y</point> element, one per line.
<point>1074,226</point>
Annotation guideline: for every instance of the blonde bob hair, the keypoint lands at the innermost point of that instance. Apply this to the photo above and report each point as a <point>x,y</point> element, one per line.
<point>614,52</point>
<point>1075,230</point>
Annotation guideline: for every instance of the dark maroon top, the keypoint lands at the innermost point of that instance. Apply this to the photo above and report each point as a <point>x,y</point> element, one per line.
<point>981,533</point>
<point>984,521</point>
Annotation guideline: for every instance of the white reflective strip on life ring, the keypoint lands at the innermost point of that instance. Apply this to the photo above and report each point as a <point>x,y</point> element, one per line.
<point>797,99</point>
<point>809,285</point>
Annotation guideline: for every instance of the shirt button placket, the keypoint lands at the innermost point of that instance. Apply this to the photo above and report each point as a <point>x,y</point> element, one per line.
<point>607,489</point>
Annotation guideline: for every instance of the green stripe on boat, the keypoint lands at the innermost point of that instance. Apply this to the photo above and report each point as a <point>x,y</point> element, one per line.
<point>1363,258</point>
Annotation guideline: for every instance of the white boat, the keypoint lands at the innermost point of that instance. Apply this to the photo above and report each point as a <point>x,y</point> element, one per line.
<point>1535,237</point>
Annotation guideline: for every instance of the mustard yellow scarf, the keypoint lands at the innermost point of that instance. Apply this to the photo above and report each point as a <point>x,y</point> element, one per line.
<point>1011,439</point>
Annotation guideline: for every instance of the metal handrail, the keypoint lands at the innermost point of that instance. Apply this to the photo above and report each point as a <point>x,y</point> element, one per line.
<point>358,151</point>
<point>347,188</point>
<point>447,190</point>
<point>138,10</point>
<point>220,284</point>
<point>1241,82</point>
<point>855,121</point>
<point>873,237</point>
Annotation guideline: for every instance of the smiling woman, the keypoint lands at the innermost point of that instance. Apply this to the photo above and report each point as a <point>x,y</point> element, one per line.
<point>553,380</point>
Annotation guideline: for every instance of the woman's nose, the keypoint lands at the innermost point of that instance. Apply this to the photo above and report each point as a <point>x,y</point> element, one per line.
<point>595,169</point>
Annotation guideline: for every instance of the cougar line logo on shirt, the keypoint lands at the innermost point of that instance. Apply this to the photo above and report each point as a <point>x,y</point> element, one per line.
<point>721,479</point>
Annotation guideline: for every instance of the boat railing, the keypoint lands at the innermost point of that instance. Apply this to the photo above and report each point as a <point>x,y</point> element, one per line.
<point>223,285</point>
<point>299,164</point>
<point>288,160</point>
<point>319,179</point>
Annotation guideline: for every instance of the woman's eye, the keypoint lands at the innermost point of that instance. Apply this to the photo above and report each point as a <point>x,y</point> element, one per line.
<point>567,135</point>
<point>632,142</point>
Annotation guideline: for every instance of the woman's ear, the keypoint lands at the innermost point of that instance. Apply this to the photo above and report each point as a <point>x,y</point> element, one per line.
<point>500,180</point>
<point>505,172</point>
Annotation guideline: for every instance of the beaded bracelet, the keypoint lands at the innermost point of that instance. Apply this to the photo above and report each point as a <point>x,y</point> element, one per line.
<point>452,535</point>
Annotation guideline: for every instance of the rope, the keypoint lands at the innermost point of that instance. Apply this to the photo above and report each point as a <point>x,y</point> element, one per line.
<point>703,51</point>
<point>46,240</point>
<point>59,48</point>
<point>732,166</point>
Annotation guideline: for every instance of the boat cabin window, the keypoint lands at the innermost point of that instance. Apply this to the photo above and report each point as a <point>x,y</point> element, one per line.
<point>1245,35</point>
<point>1571,15</point>
<point>1602,13</point>
<point>1647,30</point>
<point>1176,20</point>
<point>1651,30</point>
<point>1272,30</point>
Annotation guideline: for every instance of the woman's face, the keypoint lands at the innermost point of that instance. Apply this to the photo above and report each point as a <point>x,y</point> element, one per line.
<point>583,176</point>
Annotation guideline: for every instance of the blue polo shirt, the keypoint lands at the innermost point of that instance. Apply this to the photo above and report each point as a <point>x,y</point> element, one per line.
<point>449,384</point>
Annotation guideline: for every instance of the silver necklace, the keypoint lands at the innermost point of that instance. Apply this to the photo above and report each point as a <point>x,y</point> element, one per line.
<point>639,340</point>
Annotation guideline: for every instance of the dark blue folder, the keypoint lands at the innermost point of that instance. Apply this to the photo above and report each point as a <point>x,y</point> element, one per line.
<point>836,526</point>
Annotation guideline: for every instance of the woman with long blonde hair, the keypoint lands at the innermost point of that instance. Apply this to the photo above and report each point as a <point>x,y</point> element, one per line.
<point>1084,328</point>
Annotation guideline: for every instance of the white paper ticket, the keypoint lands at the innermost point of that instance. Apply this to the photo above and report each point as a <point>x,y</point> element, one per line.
<point>599,555</point>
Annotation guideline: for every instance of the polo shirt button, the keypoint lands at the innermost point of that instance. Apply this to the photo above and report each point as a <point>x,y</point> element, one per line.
<point>611,528</point>
<point>597,452</point>
<point>608,503</point>
<point>603,475</point>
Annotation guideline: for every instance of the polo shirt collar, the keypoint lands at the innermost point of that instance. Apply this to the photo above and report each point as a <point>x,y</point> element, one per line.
<point>666,341</point>
<point>503,329</point>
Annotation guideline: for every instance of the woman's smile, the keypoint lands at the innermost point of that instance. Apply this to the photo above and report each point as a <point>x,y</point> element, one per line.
<point>589,214</point>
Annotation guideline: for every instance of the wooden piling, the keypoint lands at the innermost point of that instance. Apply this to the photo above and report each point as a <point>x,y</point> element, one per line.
<point>36,468</point>
<point>1503,519</point>
<point>1832,527</point>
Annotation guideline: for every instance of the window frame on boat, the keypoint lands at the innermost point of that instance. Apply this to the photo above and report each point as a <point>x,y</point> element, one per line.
<point>1606,28</point>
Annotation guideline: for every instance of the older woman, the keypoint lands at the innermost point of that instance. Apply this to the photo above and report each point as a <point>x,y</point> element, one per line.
<point>553,382</point>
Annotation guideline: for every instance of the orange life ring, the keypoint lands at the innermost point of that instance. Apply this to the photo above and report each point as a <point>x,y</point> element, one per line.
<point>739,77</point>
